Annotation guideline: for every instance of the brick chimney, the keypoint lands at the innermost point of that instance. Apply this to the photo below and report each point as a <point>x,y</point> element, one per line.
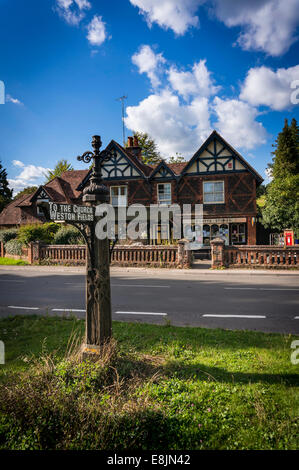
<point>134,148</point>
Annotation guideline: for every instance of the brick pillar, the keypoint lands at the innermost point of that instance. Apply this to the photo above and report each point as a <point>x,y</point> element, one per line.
<point>34,252</point>
<point>2,250</point>
<point>217,253</point>
<point>30,253</point>
<point>184,255</point>
<point>180,260</point>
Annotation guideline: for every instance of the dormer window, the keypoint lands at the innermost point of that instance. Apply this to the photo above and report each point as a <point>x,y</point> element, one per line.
<point>42,197</point>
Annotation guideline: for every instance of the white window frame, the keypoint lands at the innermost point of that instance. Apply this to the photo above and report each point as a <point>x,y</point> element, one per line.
<point>119,196</point>
<point>223,192</point>
<point>166,201</point>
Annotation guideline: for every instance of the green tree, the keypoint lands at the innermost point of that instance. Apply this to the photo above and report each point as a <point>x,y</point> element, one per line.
<point>281,209</point>
<point>5,191</point>
<point>149,150</point>
<point>286,153</point>
<point>280,206</point>
<point>177,158</point>
<point>295,134</point>
<point>28,190</point>
<point>60,168</point>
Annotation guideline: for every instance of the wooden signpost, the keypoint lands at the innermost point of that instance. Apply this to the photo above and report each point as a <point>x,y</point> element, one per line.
<point>98,295</point>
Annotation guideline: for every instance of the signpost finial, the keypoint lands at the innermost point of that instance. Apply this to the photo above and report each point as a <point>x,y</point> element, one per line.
<point>96,191</point>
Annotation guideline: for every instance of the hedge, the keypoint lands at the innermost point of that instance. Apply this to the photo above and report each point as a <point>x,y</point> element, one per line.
<point>13,247</point>
<point>68,235</point>
<point>37,232</point>
<point>8,234</point>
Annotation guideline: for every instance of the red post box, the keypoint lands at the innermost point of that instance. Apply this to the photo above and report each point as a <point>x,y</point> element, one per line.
<point>288,237</point>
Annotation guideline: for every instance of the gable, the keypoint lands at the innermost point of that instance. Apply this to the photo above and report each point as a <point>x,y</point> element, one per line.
<point>120,165</point>
<point>216,156</point>
<point>40,195</point>
<point>162,171</point>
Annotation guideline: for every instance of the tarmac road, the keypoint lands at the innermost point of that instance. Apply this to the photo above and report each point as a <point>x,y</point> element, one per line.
<point>261,301</point>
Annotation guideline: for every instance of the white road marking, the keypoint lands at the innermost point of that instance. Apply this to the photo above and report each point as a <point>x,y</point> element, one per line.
<point>140,313</point>
<point>23,308</point>
<point>122,285</point>
<point>67,310</point>
<point>136,285</point>
<point>258,288</point>
<point>296,318</point>
<point>233,316</point>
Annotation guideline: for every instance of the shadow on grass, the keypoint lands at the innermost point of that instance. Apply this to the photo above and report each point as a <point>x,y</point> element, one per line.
<point>202,372</point>
<point>198,372</point>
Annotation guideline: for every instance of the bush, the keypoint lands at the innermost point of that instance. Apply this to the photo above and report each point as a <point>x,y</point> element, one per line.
<point>14,247</point>
<point>9,234</point>
<point>37,232</point>
<point>68,236</point>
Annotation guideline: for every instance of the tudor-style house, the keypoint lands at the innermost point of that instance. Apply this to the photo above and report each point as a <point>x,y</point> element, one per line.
<point>217,176</point>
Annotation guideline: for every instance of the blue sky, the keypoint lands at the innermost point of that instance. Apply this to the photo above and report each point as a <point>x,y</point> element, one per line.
<point>186,66</point>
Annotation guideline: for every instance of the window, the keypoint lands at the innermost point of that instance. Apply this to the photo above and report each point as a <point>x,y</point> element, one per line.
<point>213,192</point>
<point>238,234</point>
<point>164,193</point>
<point>39,211</point>
<point>42,198</point>
<point>118,195</point>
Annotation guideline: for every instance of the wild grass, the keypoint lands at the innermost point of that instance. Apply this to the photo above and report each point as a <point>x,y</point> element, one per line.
<point>153,387</point>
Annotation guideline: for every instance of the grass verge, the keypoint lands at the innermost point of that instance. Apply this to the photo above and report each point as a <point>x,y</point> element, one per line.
<point>155,387</point>
<point>12,262</point>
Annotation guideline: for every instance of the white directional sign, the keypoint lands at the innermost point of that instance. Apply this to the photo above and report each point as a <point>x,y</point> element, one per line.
<point>70,212</point>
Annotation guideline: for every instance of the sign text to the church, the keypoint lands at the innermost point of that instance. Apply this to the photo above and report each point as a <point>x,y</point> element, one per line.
<point>71,213</point>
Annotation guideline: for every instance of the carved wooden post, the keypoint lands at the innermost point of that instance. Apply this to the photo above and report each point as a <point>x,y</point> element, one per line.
<point>98,297</point>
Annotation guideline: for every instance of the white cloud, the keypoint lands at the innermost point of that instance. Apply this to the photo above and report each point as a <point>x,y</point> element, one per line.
<point>18,163</point>
<point>197,82</point>
<point>237,123</point>
<point>182,114</point>
<point>170,14</point>
<point>10,99</point>
<point>176,127</point>
<point>30,175</point>
<point>268,175</point>
<point>72,11</point>
<point>268,25</point>
<point>149,63</point>
<point>263,86</point>
<point>96,31</point>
